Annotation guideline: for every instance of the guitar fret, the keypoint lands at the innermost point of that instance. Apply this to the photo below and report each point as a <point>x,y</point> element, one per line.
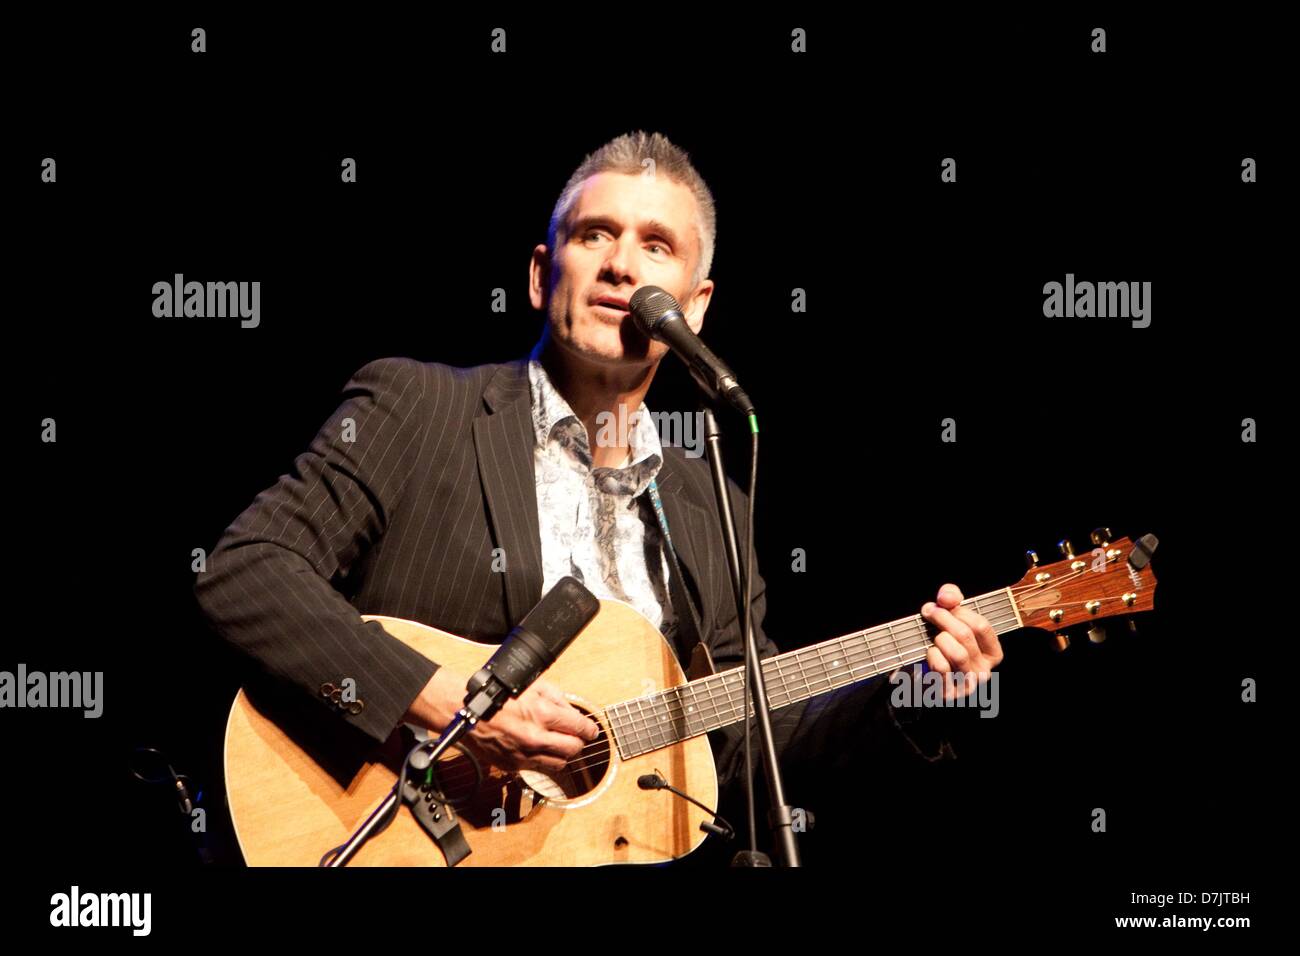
<point>923,634</point>
<point>780,675</point>
<point>837,663</point>
<point>846,658</point>
<point>612,720</point>
<point>803,677</point>
<point>688,710</point>
<point>627,729</point>
<point>821,664</point>
<point>698,714</point>
<point>898,651</point>
<point>647,721</point>
<point>735,678</point>
<point>654,730</point>
<point>713,703</point>
<point>889,627</point>
<point>708,719</point>
<point>691,716</point>
<point>633,733</point>
<point>643,731</point>
<point>772,675</point>
<point>676,714</point>
<point>827,670</point>
<point>660,712</point>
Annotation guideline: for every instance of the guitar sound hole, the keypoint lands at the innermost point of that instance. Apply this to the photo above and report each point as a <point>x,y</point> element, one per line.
<point>504,797</point>
<point>581,775</point>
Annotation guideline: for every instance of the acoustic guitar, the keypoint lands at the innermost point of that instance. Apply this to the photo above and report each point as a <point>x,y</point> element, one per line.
<point>290,805</point>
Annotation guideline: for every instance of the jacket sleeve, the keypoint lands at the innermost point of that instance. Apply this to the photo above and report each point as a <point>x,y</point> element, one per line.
<point>824,734</point>
<point>269,588</point>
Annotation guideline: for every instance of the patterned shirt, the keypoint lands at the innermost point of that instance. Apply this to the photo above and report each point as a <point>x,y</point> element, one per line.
<point>597,524</point>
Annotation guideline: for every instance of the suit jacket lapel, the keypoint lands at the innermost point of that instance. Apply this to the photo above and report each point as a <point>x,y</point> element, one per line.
<point>503,443</point>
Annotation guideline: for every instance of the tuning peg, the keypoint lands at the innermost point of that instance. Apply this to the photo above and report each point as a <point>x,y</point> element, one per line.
<point>1132,626</point>
<point>1101,537</point>
<point>1067,549</point>
<point>1097,633</point>
<point>1140,556</point>
<point>1062,640</point>
<point>1031,559</point>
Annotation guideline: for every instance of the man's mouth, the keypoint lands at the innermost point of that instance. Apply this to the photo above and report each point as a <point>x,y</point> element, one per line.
<point>612,304</point>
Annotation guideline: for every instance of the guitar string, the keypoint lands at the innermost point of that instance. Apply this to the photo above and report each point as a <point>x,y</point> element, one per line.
<point>856,659</point>
<point>635,737</point>
<point>639,736</point>
<point>1000,602</point>
<point>646,733</point>
<point>776,663</point>
<point>993,597</point>
<point>627,729</point>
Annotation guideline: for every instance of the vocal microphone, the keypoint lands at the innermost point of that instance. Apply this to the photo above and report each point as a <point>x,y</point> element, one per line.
<point>657,314</point>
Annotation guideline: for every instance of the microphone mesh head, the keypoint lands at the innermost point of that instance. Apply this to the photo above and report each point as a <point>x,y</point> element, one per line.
<point>648,306</point>
<point>564,611</point>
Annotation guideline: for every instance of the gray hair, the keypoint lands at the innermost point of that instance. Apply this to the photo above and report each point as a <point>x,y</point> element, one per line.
<point>627,154</point>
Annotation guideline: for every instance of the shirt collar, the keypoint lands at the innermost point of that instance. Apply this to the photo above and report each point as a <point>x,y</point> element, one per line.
<point>555,421</point>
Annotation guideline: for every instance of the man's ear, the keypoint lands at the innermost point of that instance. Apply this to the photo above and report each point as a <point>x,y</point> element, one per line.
<point>699,302</point>
<point>539,277</point>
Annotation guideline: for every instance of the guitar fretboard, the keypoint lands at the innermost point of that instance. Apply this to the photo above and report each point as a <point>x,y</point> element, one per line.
<point>670,716</point>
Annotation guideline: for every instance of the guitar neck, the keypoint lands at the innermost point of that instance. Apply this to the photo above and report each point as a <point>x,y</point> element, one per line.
<point>688,710</point>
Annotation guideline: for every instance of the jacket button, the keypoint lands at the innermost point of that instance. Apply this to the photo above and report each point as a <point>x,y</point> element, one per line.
<point>326,689</point>
<point>357,706</point>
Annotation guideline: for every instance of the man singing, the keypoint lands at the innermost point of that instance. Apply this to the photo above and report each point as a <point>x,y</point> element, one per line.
<point>457,497</point>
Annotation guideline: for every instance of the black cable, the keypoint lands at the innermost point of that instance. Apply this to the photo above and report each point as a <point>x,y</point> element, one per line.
<point>729,830</point>
<point>745,628</point>
<point>185,803</point>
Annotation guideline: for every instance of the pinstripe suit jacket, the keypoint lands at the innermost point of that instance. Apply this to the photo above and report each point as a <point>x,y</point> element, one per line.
<point>403,520</point>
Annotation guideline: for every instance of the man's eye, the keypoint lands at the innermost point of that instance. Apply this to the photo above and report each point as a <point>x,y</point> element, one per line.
<point>591,234</point>
<point>655,245</point>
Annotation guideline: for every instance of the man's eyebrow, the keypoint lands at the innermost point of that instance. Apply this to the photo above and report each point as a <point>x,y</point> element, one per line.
<point>652,226</point>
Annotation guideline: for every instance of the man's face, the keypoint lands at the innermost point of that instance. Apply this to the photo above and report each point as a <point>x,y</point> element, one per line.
<point>624,231</point>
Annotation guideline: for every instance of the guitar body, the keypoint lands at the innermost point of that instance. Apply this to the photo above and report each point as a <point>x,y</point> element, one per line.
<point>288,810</point>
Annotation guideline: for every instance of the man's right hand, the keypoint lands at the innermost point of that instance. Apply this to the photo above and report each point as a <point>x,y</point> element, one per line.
<point>539,730</point>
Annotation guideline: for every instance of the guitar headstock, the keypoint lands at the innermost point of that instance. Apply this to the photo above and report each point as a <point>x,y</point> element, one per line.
<point>1112,579</point>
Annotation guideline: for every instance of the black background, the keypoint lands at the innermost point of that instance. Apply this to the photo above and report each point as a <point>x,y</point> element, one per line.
<point>924,302</point>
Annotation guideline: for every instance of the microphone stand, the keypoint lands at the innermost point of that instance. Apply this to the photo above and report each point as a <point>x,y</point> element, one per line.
<point>780,817</point>
<point>420,758</point>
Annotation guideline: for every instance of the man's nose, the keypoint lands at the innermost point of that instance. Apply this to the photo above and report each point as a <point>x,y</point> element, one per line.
<point>619,263</point>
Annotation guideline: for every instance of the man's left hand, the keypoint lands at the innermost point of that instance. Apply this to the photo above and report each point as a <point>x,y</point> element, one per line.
<point>966,644</point>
